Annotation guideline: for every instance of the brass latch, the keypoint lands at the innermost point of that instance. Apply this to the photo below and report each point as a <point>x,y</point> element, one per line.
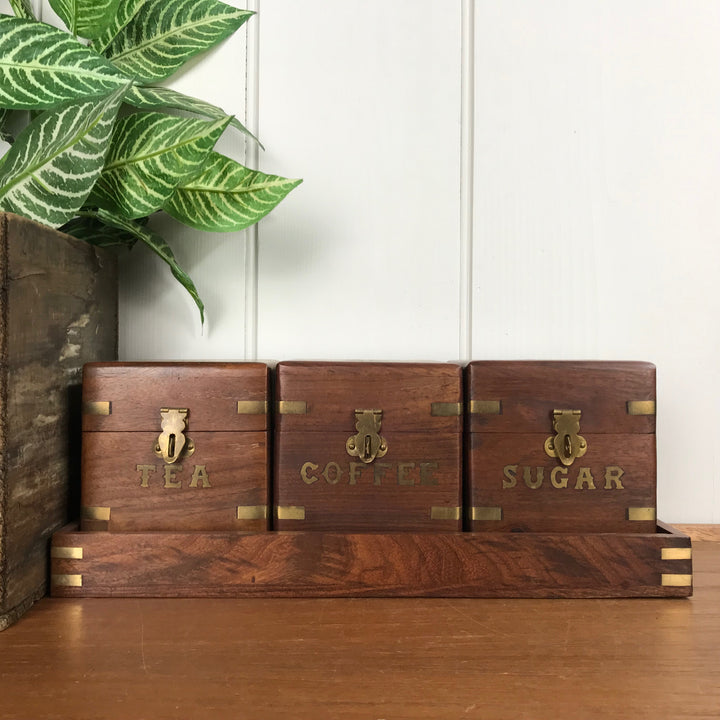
<point>368,444</point>
<point>567,444</point>
<point>172,440</point>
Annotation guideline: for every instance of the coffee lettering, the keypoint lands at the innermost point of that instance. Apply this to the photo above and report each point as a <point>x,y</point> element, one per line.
<point>408,474</point>
<point>355,470</point>
<point>510,473</point>
<point>585,478</point>
<point>380,469</point>
<point>403,477</point>
<point>426,476</point>
<point>200,473</point>
<point>309,479</point>
<point>613,473</point>
<point>145,471</point>
<point>332,477</point>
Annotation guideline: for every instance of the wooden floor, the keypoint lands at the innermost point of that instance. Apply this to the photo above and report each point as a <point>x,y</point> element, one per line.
<point>369,659</point>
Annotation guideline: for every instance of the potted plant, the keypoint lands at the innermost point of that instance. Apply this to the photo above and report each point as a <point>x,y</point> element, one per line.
<point>104,152</point>
<point>101,146</point>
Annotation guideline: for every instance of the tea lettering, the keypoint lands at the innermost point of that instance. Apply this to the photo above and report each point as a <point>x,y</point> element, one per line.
<point>172,476</point>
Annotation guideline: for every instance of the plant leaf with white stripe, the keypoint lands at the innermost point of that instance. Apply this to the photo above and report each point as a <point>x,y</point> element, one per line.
<point>164,34</point>
<point>127,9</point>
<point>42,66</point>
<point>150,155</point>
<point>89,226</point>
<point>227,196</point>
<point>150,98</point>
<point>23,9</point>
<point>135,228</point>
<point>4,132</point>
<point>52,166</point>
<point>86,18</point>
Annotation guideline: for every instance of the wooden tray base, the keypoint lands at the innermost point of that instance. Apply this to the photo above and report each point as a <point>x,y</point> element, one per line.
<point>309,564</point>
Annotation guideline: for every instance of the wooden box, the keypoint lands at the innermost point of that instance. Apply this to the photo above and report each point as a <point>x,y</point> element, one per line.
<point>58,310</point>
<point>401,564</point>
<point>368,446</point>
<point>175,446</point>
<point>561,446</point>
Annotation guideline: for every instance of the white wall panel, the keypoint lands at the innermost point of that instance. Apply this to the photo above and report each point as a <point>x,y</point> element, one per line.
<point>596,219</point>
<point>158,319</point>
<point>596,225</point>
<point>362,100</point>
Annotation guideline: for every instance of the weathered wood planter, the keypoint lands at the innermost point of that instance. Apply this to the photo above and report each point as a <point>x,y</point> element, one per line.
<point>58,310</point>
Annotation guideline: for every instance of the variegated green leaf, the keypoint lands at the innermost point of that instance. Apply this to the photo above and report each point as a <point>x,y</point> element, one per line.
<point>154,241</point>
<point>150,155</point>
<point>4,117</point>
<point>125,13</point>
<point>164,34</point>
<point>89,227</point>
<point>53,164</point>
<point>86,18</point>
<point>150,98</point>
<point>41,66</point>
<point>23,9</point>
<point>227,196</point>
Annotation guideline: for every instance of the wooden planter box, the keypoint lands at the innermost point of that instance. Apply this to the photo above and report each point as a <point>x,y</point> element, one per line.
<point>328,564</point>
<point>58,310</point>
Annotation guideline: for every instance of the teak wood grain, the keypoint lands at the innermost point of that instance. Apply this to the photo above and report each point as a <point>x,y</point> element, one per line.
<point>222,485</point>
<point>529,390</point>
<point>334,390</point>
<point>396,492</point>
<point>511,472</point>
<point>415,486</point>
<point>407,659</point>
<point>512,483</point>
<point>122,473</point>
<point>137,391</point>
<point>315,564</point>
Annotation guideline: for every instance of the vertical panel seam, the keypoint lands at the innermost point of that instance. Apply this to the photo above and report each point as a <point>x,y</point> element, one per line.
<point>252,121</point>
<point>467,159</point>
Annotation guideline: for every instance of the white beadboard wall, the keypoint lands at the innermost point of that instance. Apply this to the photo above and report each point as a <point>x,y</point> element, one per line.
<point>482,180</point>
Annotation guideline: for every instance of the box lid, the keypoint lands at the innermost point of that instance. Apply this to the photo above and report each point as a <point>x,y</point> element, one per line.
<point>218,396</point>
<point>522,396</point>
<point>413,397</point>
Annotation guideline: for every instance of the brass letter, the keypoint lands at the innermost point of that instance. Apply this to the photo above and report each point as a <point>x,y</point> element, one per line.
<point>585,476</point>
<point>170,480</point>
<point>200,473</point>
<point>335,475</point>
<point>563,481</point>
<point>403,478</point>
<point>378,473</point>
<point>527,476</point>
<point>355,471</point>
<point>613,473</point>
<point>426,476</point>
<point>510,473</point>
<point>309,479</point>
<point>145,471</point>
